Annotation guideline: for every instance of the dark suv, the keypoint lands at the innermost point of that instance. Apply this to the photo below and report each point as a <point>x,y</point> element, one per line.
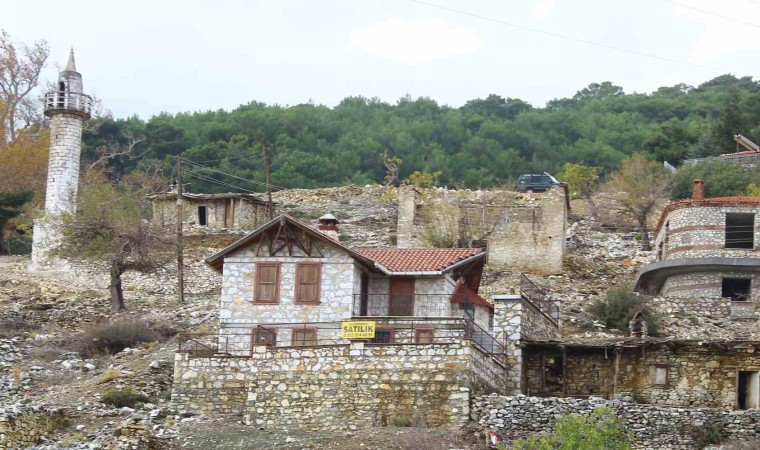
<point>535,182</point>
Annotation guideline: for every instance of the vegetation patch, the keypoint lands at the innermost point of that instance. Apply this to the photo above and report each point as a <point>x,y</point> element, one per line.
<point>596,431</point>
<point>120,398</point>
<point>619,306</point>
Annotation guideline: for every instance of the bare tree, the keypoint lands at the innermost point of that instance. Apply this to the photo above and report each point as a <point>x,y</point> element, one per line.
<point>20,68</point>
<point>116,149</point>
<point>636,189</point>
<point>111,227</point>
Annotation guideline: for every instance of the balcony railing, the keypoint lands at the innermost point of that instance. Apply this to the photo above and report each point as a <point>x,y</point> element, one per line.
<point>240,343</point>
<point>532,293</point>
<point>407,305</point>
<point>68,101</point>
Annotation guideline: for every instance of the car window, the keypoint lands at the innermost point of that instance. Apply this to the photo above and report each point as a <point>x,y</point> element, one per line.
<point>543,179</point>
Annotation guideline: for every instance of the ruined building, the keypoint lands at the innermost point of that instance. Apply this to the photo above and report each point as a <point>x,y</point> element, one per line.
<point>230,211</point>
<point>519,230</point>
<point>68,108</point>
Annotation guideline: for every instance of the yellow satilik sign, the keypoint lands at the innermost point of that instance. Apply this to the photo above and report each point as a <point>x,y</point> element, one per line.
<point>357,330</point>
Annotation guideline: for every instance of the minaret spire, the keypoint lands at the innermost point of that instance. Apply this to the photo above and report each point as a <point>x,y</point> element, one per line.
<point>71,65</point>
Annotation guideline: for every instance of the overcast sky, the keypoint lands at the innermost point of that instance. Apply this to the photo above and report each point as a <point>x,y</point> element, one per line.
<point>147,56</point>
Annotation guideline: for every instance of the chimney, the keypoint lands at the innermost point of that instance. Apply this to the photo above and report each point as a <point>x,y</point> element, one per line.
<point>328,225</point>
<point>699,190</point>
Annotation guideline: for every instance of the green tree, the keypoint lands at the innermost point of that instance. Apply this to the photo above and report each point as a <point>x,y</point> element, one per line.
<point>722,179</point>
<point>10,204</point>
<point>111,227</point>
<point>599,430</point>
<point>618,307</point>
<point>581,180</point>
<point>635,189</point>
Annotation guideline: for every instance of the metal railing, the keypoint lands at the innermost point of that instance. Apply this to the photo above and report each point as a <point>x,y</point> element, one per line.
<point>536,296</point>
<point>407,305</point>
<point>70,101</point>
<point>240,342</point>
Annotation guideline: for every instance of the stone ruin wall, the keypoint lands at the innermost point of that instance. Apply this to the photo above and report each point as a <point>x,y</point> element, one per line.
<point>697,376</point>
<point>25,426</point>
<point>652,426</point>
<point>711,307</point>
<point>522,230</point>
<point>338,387</point>
<point>246,217</point>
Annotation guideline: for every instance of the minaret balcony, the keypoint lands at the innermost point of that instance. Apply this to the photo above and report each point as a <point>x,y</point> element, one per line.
<point>68,102</point>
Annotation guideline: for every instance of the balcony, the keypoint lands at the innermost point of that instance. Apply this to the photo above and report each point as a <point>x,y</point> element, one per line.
<point>70,102</point>
<point>413,305</point>
<point>250,341</point>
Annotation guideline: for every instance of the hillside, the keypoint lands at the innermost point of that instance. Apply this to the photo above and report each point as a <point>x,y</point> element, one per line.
<point>484,143</point>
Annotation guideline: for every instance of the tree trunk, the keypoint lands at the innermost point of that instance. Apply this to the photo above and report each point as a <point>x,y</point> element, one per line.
<point>644,230</point>
<point>4,249</point>
<point>117,295</point>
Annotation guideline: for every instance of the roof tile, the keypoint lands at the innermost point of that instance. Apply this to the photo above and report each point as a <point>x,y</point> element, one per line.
<point>417,259</point>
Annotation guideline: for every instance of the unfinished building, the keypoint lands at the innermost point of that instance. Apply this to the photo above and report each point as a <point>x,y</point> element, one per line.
<point>230,211</point>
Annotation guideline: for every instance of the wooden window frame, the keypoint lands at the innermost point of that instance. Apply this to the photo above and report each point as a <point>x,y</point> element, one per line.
<point>296,330</point>
<point>298,301</point>
<point>417,331</point>
<point>277,283</point>
<point>392,330</point>
<point>667,375</point>
<point>254,335</point>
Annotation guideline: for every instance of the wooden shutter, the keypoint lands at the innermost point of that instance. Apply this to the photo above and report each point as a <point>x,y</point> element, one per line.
<point>423,335</point>
<point>308,280</point>
<point>267,283</point>
<point>304,336</point>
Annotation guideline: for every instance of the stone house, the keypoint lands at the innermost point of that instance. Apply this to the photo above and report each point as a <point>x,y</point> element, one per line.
<point>707,254</point>
<point>314,333</point>
<point>230,211</point>
<point>525,231</point>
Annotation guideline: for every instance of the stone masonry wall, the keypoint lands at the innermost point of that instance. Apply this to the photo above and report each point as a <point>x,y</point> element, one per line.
<point>697,376</point>
<point>522,230</point>
<point>247,215</point>
<point>711,307</point>
<point>24,427</point>
<point>653,426</point>
<point>699,232</point>
<point>706,284</point>
<point>337,387</point>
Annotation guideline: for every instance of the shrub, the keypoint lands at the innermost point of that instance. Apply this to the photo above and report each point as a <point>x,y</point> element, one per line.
<point>708,434</point>
<point>599,430</point>
<point>119,398</point>
<point>619,305</point>
<point>15,326</point>
<point>112,337</point>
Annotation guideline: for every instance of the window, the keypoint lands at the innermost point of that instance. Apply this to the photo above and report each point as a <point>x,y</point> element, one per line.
<point>740,230</point>
<point>267,288</point>
<point>308,280</point>
<point>384,336</point>
<point>737,289</point>
<point>424,335</point>
<point>264,336</point>
<point>202,218</point>
<point>661,375</point>
<point>304,336</point>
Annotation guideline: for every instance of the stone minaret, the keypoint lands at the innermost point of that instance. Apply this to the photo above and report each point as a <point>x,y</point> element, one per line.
<point>68,108</point>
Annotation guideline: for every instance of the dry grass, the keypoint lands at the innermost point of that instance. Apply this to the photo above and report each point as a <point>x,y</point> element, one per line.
<point>109,374</point>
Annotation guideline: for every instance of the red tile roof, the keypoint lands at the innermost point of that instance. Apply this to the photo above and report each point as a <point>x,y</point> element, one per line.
<point>417,259</point>
<point>463,294</point>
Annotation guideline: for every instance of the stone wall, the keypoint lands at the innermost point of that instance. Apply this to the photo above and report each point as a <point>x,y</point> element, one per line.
<point>707,284</point>
<point>522,230</point>
<point>514,321</point>
<point>709,307</point>
<point>23,427</point>
<point>698,374</point>
<point>698,231</point>
<point>247,215</point>
<point>338,387</point>
<point>653,426</point>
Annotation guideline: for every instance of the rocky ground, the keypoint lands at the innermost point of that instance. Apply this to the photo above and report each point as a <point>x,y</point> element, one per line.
<point>40,317</point>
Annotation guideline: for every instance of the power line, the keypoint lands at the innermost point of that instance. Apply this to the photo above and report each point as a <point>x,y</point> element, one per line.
<point>709,13</point>
<point>202,167</point>
<point>219,182</point>
<point>562,36</point>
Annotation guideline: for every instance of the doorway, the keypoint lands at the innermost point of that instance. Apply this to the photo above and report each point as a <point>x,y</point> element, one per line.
<point>202,216</point>
<point>401,297</point>
<point>748,390</point>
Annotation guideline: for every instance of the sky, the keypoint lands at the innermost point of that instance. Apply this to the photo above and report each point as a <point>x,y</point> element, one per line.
<point>144,57</point>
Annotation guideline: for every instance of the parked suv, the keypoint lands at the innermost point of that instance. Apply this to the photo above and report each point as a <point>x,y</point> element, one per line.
<point>535,182</point>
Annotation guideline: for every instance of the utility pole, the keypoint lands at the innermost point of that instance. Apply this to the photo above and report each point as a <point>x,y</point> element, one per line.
<point>267,160</point>
<point>180,256</point>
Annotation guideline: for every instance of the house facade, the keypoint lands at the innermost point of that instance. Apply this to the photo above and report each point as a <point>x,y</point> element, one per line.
<point>211,211</point>
<point>707,248</point>
<point>312,331</point>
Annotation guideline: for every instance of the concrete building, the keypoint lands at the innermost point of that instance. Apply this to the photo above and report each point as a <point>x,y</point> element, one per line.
<point>524,231</point>
<point>707,248</point>
<point>68,108</point>
<point>231,211</point>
